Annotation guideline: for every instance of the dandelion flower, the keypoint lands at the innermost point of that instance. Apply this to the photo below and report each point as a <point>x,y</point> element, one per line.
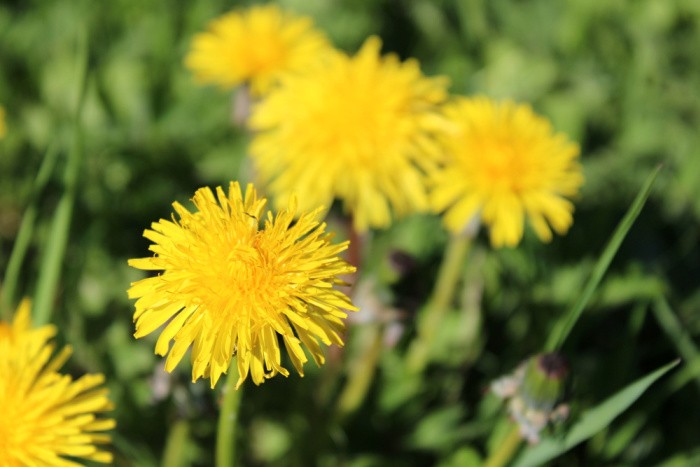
<point>47,417</point>
<point>358,129</point>
<point>505,163</point>
<point>230,287</point>
<point>255,46</point>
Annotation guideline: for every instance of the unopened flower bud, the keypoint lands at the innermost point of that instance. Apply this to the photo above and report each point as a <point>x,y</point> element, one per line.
<point>534,393</point>
<point>544,380</point>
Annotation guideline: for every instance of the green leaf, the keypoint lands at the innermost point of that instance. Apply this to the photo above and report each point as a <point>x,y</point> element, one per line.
<point>437,430</point>
<point>677,334</point>
<point>591,422</point>
<point>465,456</point>
<point>564,326</point>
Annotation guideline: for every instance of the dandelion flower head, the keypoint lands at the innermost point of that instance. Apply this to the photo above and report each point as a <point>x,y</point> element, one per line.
<point>47,417</point>
<point>505,163</point>
<point>359,129</point>
<point>230,287</point>
<point>255,46</point>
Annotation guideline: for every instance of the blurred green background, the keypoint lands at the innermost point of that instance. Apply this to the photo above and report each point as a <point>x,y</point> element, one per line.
<point>621,77</point>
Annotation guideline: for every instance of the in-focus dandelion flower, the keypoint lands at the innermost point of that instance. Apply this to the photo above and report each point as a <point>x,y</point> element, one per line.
<point>229,287</point>
<point>255,46</point>
<point>47,418</point>
<point>359,129</point>
<point>505,163</point>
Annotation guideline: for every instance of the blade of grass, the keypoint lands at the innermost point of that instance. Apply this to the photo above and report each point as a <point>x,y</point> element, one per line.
<point>564,326</point>
<point>57,241</point>
<point>25,232</point>
<point>592,421</point>
<point>690,371</point>
<point>682,459</point>
<point>673,328</point>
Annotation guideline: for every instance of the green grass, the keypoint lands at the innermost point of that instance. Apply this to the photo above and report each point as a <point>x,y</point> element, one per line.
<point>620,77</point>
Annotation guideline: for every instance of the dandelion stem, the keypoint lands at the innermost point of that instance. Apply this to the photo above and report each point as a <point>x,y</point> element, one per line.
<point>361,373</point>
<point>443,296</point>
<point>175,454</point>
<point>228,421</point>
<point>506,450</point>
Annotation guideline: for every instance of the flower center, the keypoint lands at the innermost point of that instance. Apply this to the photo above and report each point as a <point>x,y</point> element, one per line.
<point>5,332</point>
<point>244,276</point>
<point>266,55</point>
<point>359,125</point>
<point>504,169</point>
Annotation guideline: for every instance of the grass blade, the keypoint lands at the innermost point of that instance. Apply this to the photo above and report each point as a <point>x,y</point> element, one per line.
<point>674,329</point>
<point>592,421</point>
<point>54,254</point>
<point>25,232</point>
<point>564,326</point>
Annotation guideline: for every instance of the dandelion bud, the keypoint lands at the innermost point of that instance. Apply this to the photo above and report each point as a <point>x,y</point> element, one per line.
<point>544,379</point>
<point>534,393</point>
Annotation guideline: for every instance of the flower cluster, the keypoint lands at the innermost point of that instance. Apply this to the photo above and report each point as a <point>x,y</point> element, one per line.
<point>385,140</point>
<point>366,129</point>
<point>47,417</point>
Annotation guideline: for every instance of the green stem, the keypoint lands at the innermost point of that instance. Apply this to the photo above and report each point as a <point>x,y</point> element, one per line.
<point>25,232</point>
<point>443,296</point>
<point>175,453</point>
<point>60,227</point>
<point>361,373</point>
<point>505,452</point>
<point>228,421</point>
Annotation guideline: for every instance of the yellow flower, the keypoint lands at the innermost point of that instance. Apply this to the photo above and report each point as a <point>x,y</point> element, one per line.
<point>3,128</point>
<point>256,46</point>
<point>357,129</point>
<point>505,163</point>
<point>46,418</point>
<point>229,287</point>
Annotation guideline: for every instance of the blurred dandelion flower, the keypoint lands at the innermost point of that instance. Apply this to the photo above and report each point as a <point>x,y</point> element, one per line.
<point>47,417</point>
<point>505,163</point>
<point>229,287</point>
<point>255,46</point>
<point>358,129</point>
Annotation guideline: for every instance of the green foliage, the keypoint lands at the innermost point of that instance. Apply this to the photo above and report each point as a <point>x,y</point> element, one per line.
<point>592,421</point>
<point>619,76</point>
<point>564,326</point>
